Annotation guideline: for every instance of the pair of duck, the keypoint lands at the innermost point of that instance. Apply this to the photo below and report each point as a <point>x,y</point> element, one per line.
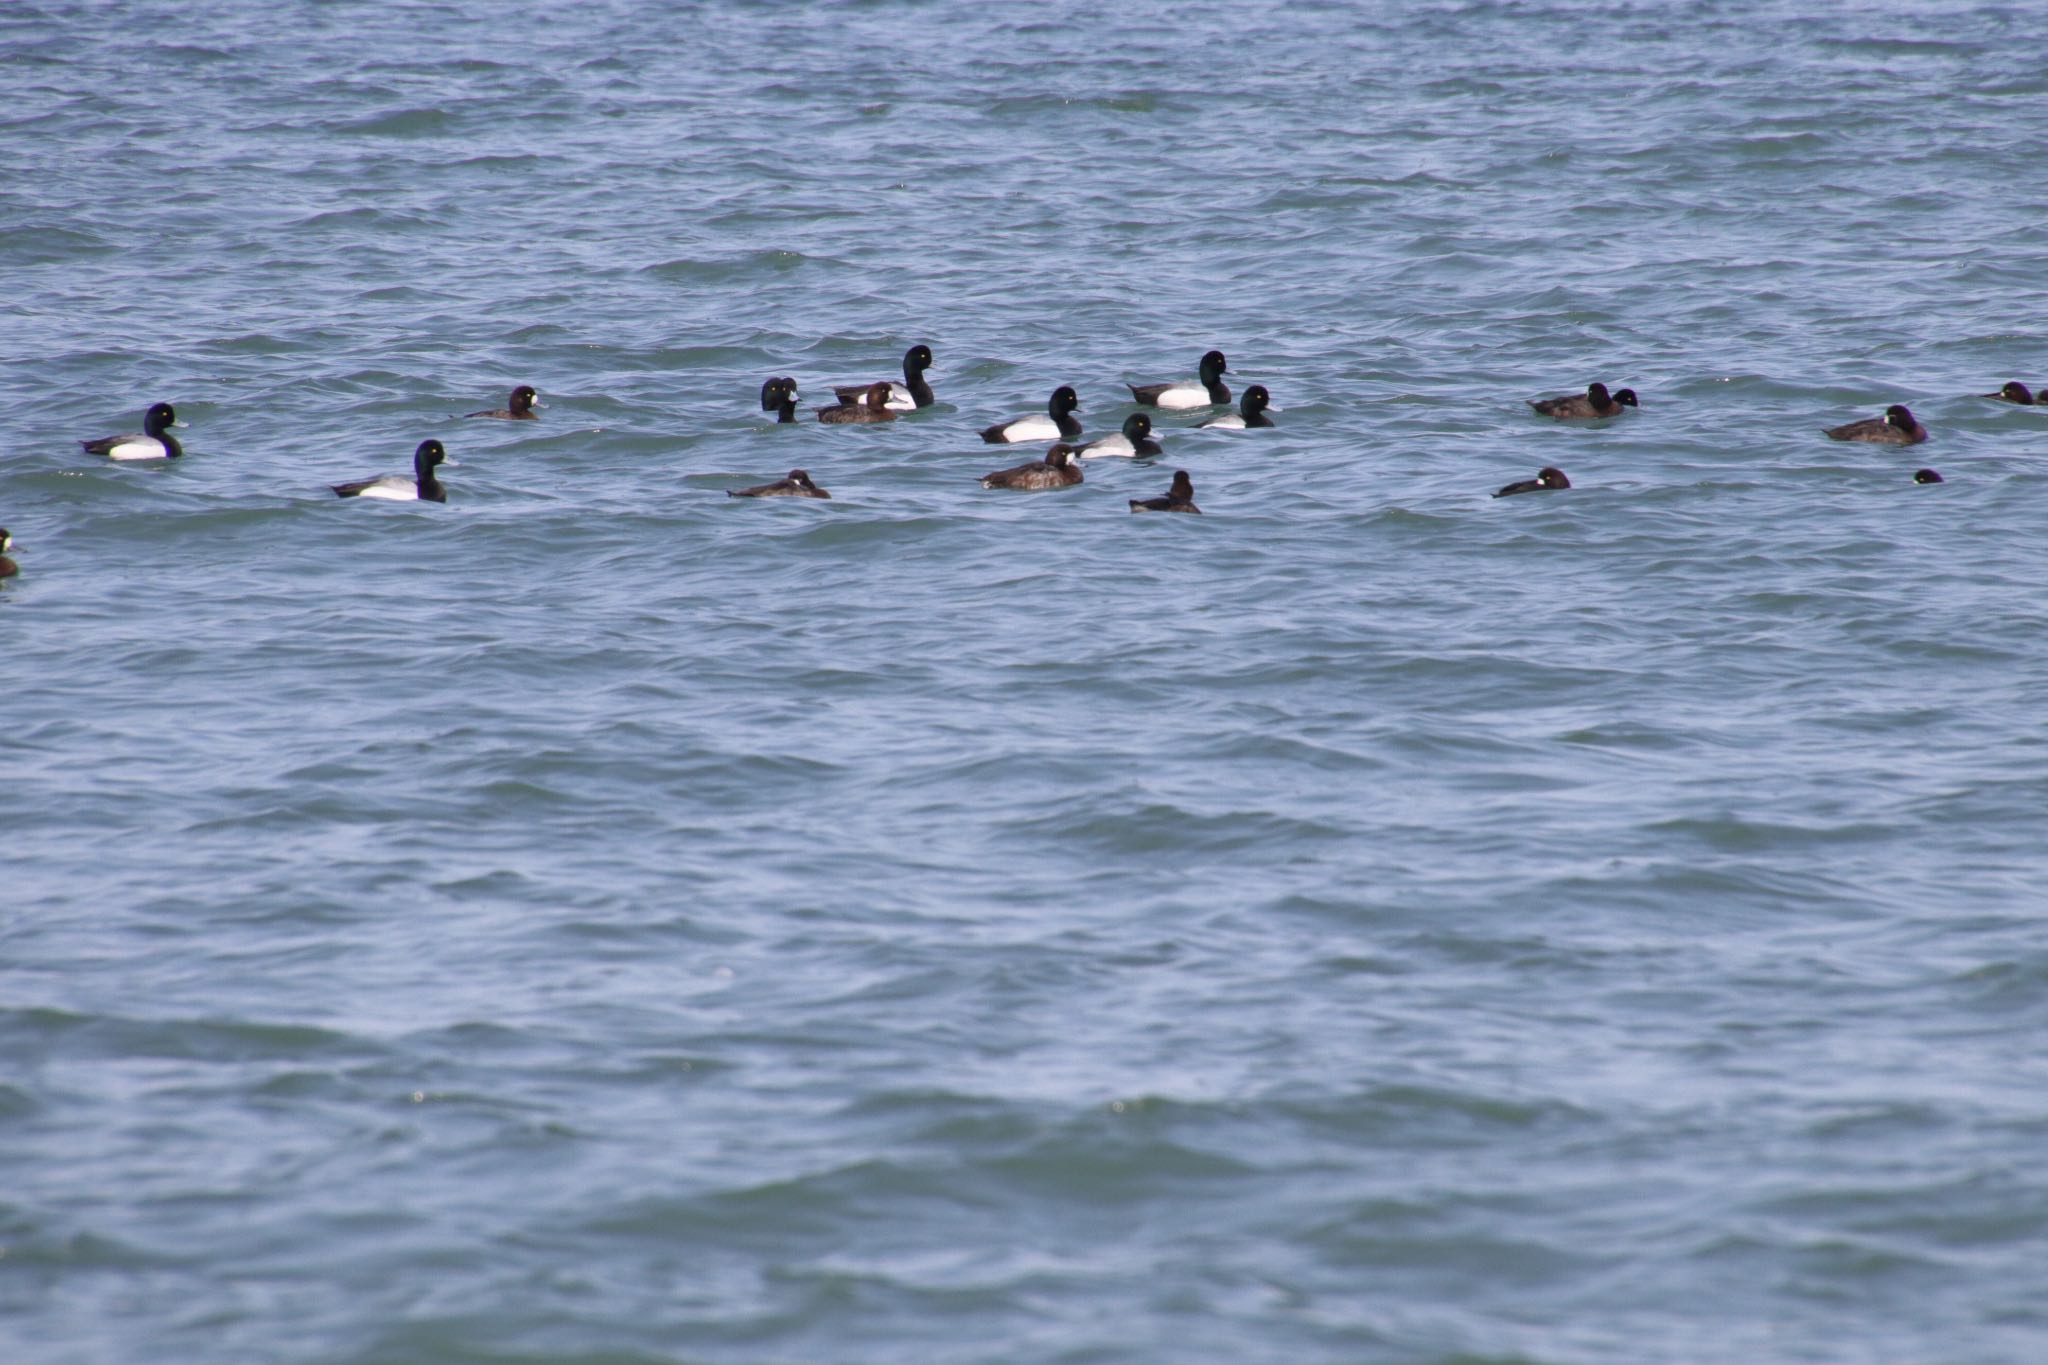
<point>861,403</point>
<point>1057,470</point>
<point>431,455</point>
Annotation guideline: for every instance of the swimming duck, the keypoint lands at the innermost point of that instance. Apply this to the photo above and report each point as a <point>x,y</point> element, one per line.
<point>8,568</point>
<point>1179,498</point>
<point>911,394</point>
<point>1056,470</point>
<point>797,485</point>
<point>1926,476</point>
<point>1898,427</point>
<point>1209,391</point>
<point>779,397</point>
<point>421,487</point>
<point>1546,478</point>
<point>1594,402</point>
<point>2015,392</point>
<point>156,442</point>
<point>1251,411</point>
<point>873,407</point>
<point>1059,421</point>
<point>519,407</point>
<point>1135,439</point>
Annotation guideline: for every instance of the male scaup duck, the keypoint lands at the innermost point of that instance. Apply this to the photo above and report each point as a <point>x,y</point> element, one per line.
<point>2015,392</point>
<point>1057,423</point>
<point>797,485</point>
<point>779,397</point>
<point>1135,439</point>
<point>1211,390</point>
<point>913,393</point>
<point>8,568</point>
<point>1179,498</point>
<point>1546,478</point>
<point>520,406</point>
<point>421,487</point>
<point>156,442</point>
<point>1898,427</point>
<point>1251,411</point>
<point>1056,470</point>
<point>1926,476</point>
<point>1594,402</point>
<point>872,407</point>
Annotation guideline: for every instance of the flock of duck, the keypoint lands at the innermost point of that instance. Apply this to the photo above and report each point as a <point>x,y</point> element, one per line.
<point>883,400</point>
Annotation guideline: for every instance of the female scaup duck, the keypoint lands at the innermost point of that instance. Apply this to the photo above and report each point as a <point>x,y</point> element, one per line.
<point>520,407</point>
<point>913,393</point>
<point>1594,402</point>
<point>421,487</point>
<point>156,442</point>
<point>779,397</point>
<point>1210,391</point>
<point>1179,498</point>
<point>1059,422</point>
<point>1546,478</point>
<point>1251,411</point>
<point>1135,439</point>
<point>1056,470</point>
<point>1898,427</point>
<point>8,568</point>
<point>797,485</point>
<point>1919,476</point>
<point>872,407</point>
<point>2015,392</point>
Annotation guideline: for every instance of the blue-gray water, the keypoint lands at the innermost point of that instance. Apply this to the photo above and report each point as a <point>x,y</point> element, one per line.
<point>597,920</point>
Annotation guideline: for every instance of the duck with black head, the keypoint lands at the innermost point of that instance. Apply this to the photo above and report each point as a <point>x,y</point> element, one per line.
<point>1251,412</point>
<point>2015,392</point>
<point>1926,476</point>
<point>1208,391</point>
<point>1133,441</point>
<point>1179,498</point>
<point>797,485</point>
<point>779,397</point>
<point>1898,427</point>
<point>1056,423</point>
<point>913,393</point>
<point>155,442</point>
<point>518,408</point>
<point>873,406</point>
<point>1545,480</point>
<point>421,487</point>
<point>1594,403</point>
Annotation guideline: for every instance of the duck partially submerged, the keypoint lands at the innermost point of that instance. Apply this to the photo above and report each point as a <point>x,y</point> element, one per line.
<point>1546,479</point>
<point>1179,498</point>
<point>519,407</point>
<point>797,485</point>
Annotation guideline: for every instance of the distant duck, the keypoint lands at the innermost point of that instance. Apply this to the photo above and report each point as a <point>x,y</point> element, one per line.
<point>1134,440</point>
<point>519,407</point>
<point>1898,427</point>
<point>2016,392</point>
<point>908,396</point>
<point>797,485</point>
<point>421,487</point>
<point>873,407</point>
<point>1210,391</point>
<point>779,397</point>
<point>1057,423</point>
<point>1056,470</point>
<point>1179,498</point>
<point>156,442</point>
<point>1546,478</point>
<point>1251,411</point>
<point>1926,476</point>
<point>8,568</point>
<point>1594,402</point>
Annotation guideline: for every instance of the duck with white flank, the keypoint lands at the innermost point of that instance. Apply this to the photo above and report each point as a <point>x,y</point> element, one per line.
<point>1056,423</point>
<point>1209,392</point>
<point>1134,440</point>
<point>155,442</point>
<point>908,396</point>
<point>421,487</point>
<point>1251,411</point>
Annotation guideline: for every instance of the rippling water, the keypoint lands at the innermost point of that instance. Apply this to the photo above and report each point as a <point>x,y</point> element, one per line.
<point>598,920</point>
